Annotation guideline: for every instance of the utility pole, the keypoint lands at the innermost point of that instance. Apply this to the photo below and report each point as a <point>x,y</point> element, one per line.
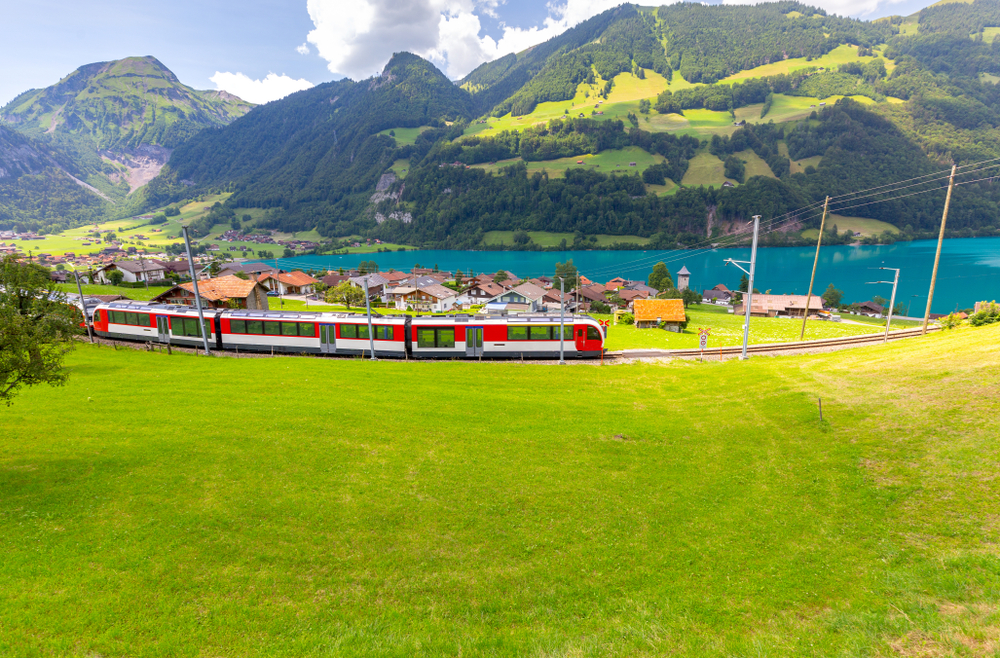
<point>368,308</point>
<point>749,296</point>
<point>562,321</point>
<point>142,267</point>
<point>812,279</point>
<point>197,297</point>
<point>892,301</point>
<point>937,256</point>
<point>83,307</point>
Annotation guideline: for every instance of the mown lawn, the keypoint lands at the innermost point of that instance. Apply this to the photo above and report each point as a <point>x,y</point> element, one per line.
<point>185,506</point>
<point>97,289</point>
<point>727,329</point>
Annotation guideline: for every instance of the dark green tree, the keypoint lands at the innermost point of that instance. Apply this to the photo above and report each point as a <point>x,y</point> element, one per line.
<point>832,297</point>
<point>115,277</point>
<point>36,328</point>
<point>565,272</point>
<point>660,277</point>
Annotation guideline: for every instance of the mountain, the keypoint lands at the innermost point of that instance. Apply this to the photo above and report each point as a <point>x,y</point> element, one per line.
<point>113,125</point>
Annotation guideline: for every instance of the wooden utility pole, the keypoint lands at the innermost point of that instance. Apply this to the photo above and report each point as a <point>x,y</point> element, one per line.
<point>937,256</point>
<point>812,279</point>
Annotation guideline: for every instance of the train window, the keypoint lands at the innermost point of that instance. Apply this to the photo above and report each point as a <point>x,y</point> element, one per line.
<point>117,317</point>
<point>593,333</point>
<point>238,326</point>
<point>384,332</point>
<point>567,332</point>
<point>187,327</point>
<point>131,318</point>
<point>272,328</point>
<point>539,333</point>
<point>289,329</point>
<point>446,338</point>
<point>97,315</point>
<point>348,331</point>
<point>425,338</point>
<point>307,329</point>
<point>363,331</point>
<point>517,333</point>
<point>255,327</point>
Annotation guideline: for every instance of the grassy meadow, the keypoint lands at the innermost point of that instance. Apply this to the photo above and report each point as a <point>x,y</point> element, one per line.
<point>677,509</point>
<point>863,225</point>
<point>611,160</point>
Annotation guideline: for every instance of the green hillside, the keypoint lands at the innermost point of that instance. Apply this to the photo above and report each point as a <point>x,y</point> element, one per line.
<point>643,522</point>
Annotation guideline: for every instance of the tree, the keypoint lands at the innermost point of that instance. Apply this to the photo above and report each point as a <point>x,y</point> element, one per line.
<point>115,277</point>
<point>690,297</point>
<point>832,296</point>
<point>881,301</point>
<point>499,276</point>
<point>735,169</point>
<point>36,328</point>
<point>288,253</point>
<point>565,272</point>
<point>660,277</point>
<point>744,283</point>
<point>234,224</point>
<point>242,275</point>
<point>345,293</point>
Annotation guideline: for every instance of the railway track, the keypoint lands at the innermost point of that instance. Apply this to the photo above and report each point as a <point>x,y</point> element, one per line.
<point>797,347</point>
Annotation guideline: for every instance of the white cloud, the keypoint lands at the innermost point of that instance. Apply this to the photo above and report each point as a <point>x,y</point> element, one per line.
<point>357,38</point>
<point>303,49</point>
<point>269,89</point>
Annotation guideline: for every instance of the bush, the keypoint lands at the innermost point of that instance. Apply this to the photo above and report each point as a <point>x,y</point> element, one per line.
<point>628,318</point>
<point>985,316</point>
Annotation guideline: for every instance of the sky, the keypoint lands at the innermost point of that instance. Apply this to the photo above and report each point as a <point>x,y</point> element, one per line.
<point>262,50</point>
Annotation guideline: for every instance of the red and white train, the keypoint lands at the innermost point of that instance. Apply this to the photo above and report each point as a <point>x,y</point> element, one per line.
<point>528,336</point>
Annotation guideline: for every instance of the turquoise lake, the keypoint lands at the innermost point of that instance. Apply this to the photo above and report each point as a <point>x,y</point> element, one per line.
<point>969,270</point>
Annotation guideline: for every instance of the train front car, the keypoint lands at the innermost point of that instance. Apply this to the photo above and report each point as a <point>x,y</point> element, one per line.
<point>154,323</point>
<point>526,336</point>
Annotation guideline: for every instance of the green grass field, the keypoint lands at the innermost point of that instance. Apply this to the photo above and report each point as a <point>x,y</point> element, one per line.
<point>862,225</point>
<point>843,54</point>
<point>727,329</point>
<point>612,160</point>
<point>643,510</point>
<point>405,136</point>
<point>550,239</point>
<point>97,289</point>
<point>704,169</point>
<point>755,165</point>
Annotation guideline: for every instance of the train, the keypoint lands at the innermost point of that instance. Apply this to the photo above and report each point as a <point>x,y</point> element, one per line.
<point>469,336</point>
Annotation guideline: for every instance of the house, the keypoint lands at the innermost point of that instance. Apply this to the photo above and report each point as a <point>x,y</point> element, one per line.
<point>642,287</point>
<point>554,300</point>
<point>683,278</point>
<point>478,293</point>
<point>869,308</point>
<point>222,292</point>
<point>650,313</point>
<point>395,278</point>
<point>525,297</point>
<point>770,306</point>
<point>727,184</point>
<point>334,280</point>
<point>616,283</point>
<point>133,271</point>
<point>253,270</point>
<point>629,296</point>
<point>289,283</point>
<point>434,298</point>
<point>59,276</point>
<point>718,294</point>
<point>587,295</point>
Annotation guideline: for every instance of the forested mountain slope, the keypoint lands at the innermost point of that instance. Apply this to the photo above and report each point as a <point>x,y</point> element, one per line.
<point>112,125</point>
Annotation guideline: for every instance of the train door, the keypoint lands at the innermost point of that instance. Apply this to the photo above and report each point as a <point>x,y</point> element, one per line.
<point>473,341</point>
<point>580,337</point>
<point>327,338</point>
<point>163,328</point>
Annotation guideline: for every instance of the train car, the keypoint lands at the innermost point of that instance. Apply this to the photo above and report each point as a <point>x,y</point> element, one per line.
<point>155,323</point>
<point>343,334</point>
<point>349,335</point>
<point>524,336</point>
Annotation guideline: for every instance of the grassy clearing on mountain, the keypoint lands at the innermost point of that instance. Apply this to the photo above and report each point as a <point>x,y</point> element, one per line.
<point>626,510</point>
<point>863,225</point>
<point>704,169</point>
<point>610,161</point>
<point>755,165</point>
<point>404,136</point>
<point>843,54</point>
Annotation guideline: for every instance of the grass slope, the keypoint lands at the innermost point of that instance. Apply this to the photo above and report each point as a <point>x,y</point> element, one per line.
<point>631,510</point>
<point>612,160</point>
<point>862,225</point>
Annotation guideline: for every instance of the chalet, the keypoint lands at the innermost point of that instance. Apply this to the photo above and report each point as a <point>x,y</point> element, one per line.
<point>253,270</point>
<point>289,283</point>
<point>651,313</point>
<point>616,283</point>
<point>771,306</point>
<point>629,296</point>
<point>870,309</point>
<point>333,280</point>
<point>587,295</point>
<point>525,297</point>
<point>434,298</point>
<point>222,292</point>
<point>479,293</point>
<point>718,294</point>
<point>727,184</point>
<point>133,271</point>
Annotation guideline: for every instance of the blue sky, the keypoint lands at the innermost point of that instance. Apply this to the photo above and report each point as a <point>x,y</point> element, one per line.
<point>263,49</point>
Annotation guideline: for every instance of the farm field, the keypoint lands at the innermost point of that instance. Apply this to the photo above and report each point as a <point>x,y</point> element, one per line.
<point>612,160</point>
<point>551,239</point>
<point>755,165</point>
<point>862,225</point>
<point>404,136</point>
<point>628,510</point>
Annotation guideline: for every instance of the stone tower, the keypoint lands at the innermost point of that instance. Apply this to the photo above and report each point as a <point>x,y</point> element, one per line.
<point>683,276</point>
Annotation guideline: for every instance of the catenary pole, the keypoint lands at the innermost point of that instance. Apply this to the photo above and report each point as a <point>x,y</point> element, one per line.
<point>812,279</point>
<point>753,268</point>
<point>83,306</point>
<point>562,321</point>
<point>937,256</point>
<point>197,296</point>
<point>892,305</point>
<point>368,308</point>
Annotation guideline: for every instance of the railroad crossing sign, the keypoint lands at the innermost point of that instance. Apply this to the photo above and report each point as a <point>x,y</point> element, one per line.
<point>604,323</point>
<point>703,337</point>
